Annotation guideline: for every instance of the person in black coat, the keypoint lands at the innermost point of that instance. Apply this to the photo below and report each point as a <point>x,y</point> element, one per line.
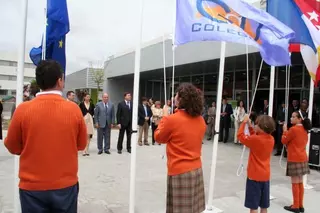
<point>225,120</point>
<point>124,121</point>
<point>144,116</point>
<point>281,114</point>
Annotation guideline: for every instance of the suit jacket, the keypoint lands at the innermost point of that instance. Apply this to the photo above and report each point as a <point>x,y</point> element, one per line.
<point>104,115</point>
<point>281,115</point>
<point>142,114</point>
<point>124,114</point>
<point>229,112</point>
<point>265,110</point>
<point>84,109</point>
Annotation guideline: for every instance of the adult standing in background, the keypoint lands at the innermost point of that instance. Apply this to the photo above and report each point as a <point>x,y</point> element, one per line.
<point>124,120</point>
<point>211,120</point>
<point>105,119</point>
<point>157,113</point>
<point>167,108</point>
<point>183,132</point>
<point>87,109</point>
<point>239,113</point>
<point>1,110</point>
<point>225,120</point>
<point>144,116</point>
<point>71,96</point>
<point>47,132</point>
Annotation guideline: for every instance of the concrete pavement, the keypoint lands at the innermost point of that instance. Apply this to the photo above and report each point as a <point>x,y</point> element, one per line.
<point>104,181</point>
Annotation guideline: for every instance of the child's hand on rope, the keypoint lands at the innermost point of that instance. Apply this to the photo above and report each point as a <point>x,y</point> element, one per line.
<point>246,119</point>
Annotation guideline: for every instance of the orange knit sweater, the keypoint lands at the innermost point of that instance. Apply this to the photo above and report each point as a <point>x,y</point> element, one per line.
<point>183,135</point>
<point>47,133</point>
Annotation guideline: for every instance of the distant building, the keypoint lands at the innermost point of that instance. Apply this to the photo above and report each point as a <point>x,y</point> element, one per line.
<point>8,75</point>
<point>80,82</point>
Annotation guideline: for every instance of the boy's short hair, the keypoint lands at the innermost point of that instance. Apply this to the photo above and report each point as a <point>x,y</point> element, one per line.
<point>266,123</point>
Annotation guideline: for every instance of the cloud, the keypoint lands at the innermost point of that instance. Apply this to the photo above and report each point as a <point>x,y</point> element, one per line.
<point>99,28</point>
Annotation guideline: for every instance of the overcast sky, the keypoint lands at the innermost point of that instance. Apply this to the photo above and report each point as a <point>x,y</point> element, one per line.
<point>99,28</point>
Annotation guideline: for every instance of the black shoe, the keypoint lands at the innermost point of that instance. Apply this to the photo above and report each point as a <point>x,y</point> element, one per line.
<point>100,152</point>
<point>153,143</point>
<point>301,210</point>
<point>119,152</point>
<point>107,152</point>
<point>225,141</point>
<point>129,150</point>
<point>208,139</point>
<point>290,209</point>
<point>277,154</point>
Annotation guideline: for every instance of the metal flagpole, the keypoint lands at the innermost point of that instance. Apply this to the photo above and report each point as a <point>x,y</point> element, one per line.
<point>135,111</point>
<point>311,96</point>
<point>164,68</point>
<point>271,91</point>
<point>19,93</point>
<point>44,40</point>
<point>210,207</point>
<point>271,97</point>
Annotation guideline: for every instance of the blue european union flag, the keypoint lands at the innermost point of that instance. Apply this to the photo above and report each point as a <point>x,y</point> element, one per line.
<point>57,28</point>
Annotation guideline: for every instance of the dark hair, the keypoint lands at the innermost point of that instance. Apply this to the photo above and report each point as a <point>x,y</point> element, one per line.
<point>306,123</point>
<point>253,116</point>
<point>190,99</point>
<point>144,99</point>
<point>224,98</point>
<point>126,93</point>
<point>48,73</point>
<point>69,93</point>
<point>266,124</point>
<point>238,103</point>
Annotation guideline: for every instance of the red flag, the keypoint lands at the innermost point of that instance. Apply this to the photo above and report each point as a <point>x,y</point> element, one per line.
<point>315,4</point>
<point>294,48</point>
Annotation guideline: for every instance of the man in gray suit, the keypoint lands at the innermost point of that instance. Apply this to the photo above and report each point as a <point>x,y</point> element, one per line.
<point>104,120</point>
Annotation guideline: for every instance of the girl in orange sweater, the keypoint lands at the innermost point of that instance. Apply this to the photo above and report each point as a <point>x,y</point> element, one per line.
<point>296,140</point>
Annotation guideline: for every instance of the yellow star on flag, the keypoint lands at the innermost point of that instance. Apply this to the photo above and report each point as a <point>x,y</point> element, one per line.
<point>60,44</point>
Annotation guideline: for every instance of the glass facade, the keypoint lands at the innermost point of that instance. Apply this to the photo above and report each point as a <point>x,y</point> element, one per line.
<point>235,81</point>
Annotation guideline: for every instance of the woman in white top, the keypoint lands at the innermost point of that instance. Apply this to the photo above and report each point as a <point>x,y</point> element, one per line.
<point>239,113</point>
<point>157,113</point>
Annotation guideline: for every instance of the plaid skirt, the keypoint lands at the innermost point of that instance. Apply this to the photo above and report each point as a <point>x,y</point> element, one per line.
<point>185,193</point>
<point>297,169</point>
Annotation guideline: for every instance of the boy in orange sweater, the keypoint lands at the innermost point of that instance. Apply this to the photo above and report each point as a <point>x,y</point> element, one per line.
<point>260,142</point>
<point>296,140</point>
<point>47,133</point>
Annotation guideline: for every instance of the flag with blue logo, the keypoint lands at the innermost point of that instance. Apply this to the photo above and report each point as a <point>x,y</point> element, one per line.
<point>233,21</point>
<point>56,30</point>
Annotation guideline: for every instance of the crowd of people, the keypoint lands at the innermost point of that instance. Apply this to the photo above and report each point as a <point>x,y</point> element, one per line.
<point>49,131</point>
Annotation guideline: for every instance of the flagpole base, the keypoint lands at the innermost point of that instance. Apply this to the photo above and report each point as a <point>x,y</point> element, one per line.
<point>308,187</point>
<point>212,209</point>
<point>272,198</point>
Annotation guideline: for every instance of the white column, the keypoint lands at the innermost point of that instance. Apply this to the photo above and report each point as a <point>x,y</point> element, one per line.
<point>19,92</point>
<point>135,112</point>
<point>311,96</point>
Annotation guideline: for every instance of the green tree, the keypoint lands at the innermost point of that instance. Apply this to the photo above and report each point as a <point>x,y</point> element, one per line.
<point>98,77</point>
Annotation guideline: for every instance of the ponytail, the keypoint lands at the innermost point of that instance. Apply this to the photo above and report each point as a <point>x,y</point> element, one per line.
<point>306,123</point>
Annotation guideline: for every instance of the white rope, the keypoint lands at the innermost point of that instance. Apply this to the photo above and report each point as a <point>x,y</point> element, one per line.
<point>241,165</point>
<point>287,93</point>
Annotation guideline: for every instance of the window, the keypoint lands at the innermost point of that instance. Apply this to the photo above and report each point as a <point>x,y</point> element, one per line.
<point>197,81</point>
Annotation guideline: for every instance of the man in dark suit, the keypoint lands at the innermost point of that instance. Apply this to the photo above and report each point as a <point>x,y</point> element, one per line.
<point>225,120</point>
<point>144,115</point>
<point>265,110</point>
<point>124,121</point>
<point>281,114</point>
